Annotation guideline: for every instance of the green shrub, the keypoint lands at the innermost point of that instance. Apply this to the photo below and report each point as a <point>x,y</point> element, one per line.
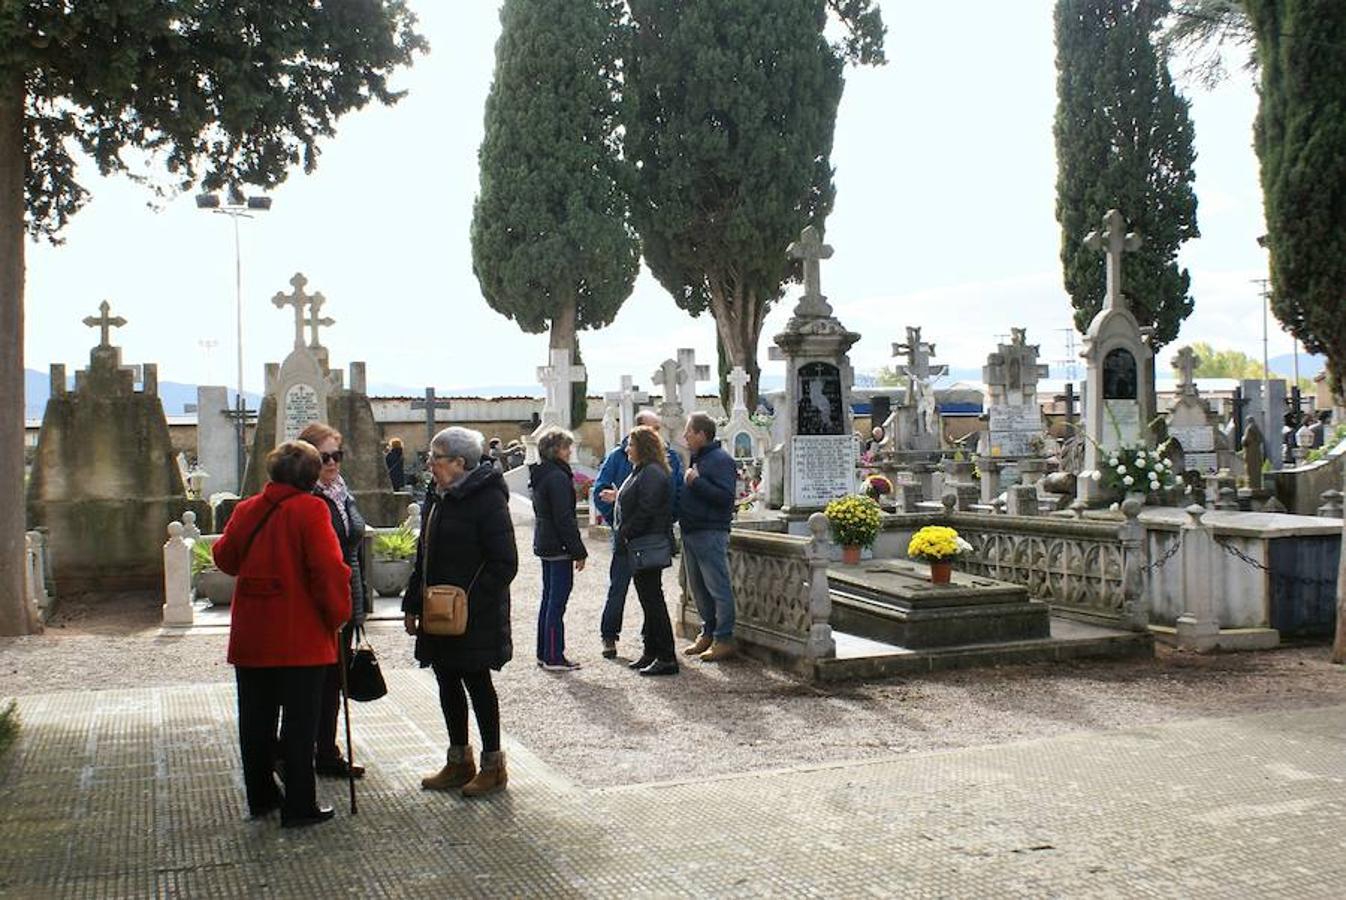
<point>202,560</point>
<point>399,544</point>
<point>9,726</point>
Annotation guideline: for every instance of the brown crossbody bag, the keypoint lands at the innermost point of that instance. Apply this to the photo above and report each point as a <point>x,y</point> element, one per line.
<point>443,606</point>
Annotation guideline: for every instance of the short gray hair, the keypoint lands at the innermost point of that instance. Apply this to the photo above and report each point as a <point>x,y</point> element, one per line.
<point>648,417</point>
<point>551,440</point>
<point>459,443</point>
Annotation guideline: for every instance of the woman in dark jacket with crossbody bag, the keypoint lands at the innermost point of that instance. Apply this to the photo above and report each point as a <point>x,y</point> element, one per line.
<point>349,526</point>
<point>556,541</point>
<point>643,516</point>
<point>467,541</point>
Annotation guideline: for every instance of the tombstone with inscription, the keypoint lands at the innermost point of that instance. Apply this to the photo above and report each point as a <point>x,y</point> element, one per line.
<point>1119,392</point>
<point>1193,424</point>
<point>105,479</point>
<point>302,390</point>
<point>821,449</point>
<point>1011,373</point>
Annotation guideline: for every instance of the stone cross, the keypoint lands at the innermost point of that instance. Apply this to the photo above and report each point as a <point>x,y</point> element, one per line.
<point>669,376</point>
<point>626,400</point>
<point>811,250</point>
<point>298,300</point>
<point>739,381</point>
<point>556,379</point>
<point>1113,240</point>
<point>430,404</point>
<point>314,322</point>
<point>105,324</point>
<point>1186,363</point>
<point>918,354</point>
<point>693,373</point>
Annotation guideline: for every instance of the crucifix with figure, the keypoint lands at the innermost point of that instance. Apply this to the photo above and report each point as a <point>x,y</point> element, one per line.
<point>105,323</point>
<point>298,299</point>
<point>811,250</point>
<point>1114,240</point>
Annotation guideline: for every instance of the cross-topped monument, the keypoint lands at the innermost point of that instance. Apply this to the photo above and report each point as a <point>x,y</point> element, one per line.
<point>556,379</point>
<point>1186,362</point>
<point>693,373</point>
<point>811,250</point>
<point>431,405</point>
<point>918,354</point>
<point>1114,240</point>
<point>315,322</point>
<point>298,299</point>
<point>626,401</point>
<point>739,379</point>
<point>668,377</point>
<point>105,324</point>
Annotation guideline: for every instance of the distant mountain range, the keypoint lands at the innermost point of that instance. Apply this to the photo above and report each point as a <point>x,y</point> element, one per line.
<point>175,395</point>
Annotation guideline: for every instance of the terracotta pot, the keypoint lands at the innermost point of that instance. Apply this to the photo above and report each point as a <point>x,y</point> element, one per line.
<point>941,570</point>
<point>850,554</point>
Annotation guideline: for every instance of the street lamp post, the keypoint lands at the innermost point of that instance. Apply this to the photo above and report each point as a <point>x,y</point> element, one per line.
<point>244,208</point>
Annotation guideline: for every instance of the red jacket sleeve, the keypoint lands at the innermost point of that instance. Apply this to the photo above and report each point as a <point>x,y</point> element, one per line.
<point>329,578</point>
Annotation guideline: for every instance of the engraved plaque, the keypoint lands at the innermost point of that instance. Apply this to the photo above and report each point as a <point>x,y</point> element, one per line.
<point>299,411</point>
<point>822,468</point>
<point>819,410</point>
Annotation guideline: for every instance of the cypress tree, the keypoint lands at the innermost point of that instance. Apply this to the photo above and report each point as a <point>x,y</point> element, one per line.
<point>729,112</point>
<point>1124,141</point>
<point>551,245</point>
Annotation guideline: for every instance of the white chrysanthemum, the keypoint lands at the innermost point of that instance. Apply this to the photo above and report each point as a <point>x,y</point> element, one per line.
<point>1140,462</point>
<point>1113,461</point>
<point>1121,470</point>
<point>1096,475</point>
<point>1128,481</point>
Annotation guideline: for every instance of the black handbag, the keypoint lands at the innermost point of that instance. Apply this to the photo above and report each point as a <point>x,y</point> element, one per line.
<point>650,551</point>
<point>364,678</point>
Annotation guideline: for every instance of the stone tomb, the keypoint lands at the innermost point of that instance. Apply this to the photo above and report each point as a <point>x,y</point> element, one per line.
<point>820,445</point>
<point>1011,374</point>
<point>894,602</point>
<point>1193,424</point>
<point>915,424</point>
<point>104,478</point>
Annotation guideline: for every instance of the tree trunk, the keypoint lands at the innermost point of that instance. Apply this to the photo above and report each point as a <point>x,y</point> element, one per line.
<point>16,613</point>
<point>562,337</point>
<point>738,324</point>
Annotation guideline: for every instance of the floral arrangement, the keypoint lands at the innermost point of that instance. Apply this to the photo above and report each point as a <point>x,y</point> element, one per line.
<point>1129,469</point>
<point>583,485</point>
<point>855,520</point>
<point>935,543</point>
<point>877,486</point>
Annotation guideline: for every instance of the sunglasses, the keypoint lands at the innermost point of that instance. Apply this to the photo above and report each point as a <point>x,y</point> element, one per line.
<point>333,457</point>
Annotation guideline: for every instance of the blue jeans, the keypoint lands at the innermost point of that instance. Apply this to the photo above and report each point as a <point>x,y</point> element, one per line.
<point>558,575</point>
<point>619,579</point>
<point>707,560</point>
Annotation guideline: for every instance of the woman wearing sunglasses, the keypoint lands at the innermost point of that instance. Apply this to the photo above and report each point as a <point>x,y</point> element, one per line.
<point>349,526</point>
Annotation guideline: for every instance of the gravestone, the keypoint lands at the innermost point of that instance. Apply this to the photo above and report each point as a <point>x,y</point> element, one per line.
<point>302,390</point>
<point>669,378</point>
<point>1011,374</point>
<point>1192,423</point>
<point>556,379</point>
<point>1119,390</point>
<point>612,436</point>
<point>741,437</point>
<point>104,479</point>
<point>1265,402</point>
<point>692,374</point>
<point>627,402</point>
<point>914,425</point>
<point>216,439</point>
<point>820,447</point>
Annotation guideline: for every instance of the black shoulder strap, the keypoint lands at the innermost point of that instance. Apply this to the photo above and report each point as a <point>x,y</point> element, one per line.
<point>247,545</point>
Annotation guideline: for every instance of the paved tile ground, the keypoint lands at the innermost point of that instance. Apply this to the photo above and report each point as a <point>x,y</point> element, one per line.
<point>135,793</point>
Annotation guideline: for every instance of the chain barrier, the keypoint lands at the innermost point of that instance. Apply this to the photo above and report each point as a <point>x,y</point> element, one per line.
<point>1164,557</point>
<point>1257,564</point>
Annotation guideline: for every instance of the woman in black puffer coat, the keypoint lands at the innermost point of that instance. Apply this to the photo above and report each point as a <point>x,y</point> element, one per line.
<point>556,541</point>
<point>467,540</point>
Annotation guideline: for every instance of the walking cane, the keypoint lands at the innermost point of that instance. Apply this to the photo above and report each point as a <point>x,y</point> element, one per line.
<point>346,709</point>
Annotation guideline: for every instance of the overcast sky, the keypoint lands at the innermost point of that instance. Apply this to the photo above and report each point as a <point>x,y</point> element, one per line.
<point>945,177</point>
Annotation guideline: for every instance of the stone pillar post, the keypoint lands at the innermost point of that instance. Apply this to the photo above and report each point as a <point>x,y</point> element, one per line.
<point>906,496</point>
<point>1023,500</point>
<point>177,577</point>
<point>35,576</point>
<point>1198,628</point>
<point>990,478</point>
<point>1332,506</point>
<point>190,531</point>
<point>821,644</point>
<point>1135,594</point>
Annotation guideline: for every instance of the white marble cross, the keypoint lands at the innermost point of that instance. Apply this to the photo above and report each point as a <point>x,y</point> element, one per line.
<point>811,249</point>
<point>1114,240</point>
<point>626,400</point>
<point>1186,363</point>
<point>314,322</point>
<point>556,379</point>
<point>669,376</point>
<point>298,300</point>
<point>104,323</point>
<point>739,381</point>
<point>693,373</point>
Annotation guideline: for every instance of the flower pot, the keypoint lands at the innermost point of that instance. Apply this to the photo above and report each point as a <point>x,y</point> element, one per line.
<point>941,570</point>
<point>389,577</point>
<point>850,554</point>
<point>215,586</point>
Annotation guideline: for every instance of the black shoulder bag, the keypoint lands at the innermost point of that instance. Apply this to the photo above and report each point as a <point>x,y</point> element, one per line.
<point>364,678</point>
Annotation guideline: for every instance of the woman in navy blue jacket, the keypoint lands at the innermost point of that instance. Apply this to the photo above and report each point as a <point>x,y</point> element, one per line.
<point>556,541</point>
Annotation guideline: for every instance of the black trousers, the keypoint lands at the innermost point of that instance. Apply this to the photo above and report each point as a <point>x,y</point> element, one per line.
<point>453,703</point>
<point>327,749</point>
<point>658,629</point>
<point>262,694</point>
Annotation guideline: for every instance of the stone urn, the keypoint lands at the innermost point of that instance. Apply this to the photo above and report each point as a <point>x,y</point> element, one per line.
<point>215,586</point>
<point>389,577</point>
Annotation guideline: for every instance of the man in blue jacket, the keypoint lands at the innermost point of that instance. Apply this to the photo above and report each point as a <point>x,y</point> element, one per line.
<point>706,512</point>
<point>611,474</point>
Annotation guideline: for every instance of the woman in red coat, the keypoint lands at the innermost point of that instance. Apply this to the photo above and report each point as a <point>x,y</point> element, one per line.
<point>291,597</point>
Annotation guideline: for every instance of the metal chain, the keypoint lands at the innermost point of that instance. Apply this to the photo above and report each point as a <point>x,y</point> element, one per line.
<point>1168,554</point>
<point>1256,564</point>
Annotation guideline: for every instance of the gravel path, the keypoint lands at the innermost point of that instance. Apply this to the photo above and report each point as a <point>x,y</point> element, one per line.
<point>605,725</point>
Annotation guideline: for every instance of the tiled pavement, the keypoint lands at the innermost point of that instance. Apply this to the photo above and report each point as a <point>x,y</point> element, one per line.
<point>137,794</point>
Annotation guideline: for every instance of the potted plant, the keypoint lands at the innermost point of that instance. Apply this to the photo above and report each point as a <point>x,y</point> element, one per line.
<point>939,546</point>
<point>209,582</point>
<point>855,522</point>
<point>877,486</point>
<point>583,485</point>
<point>1130,470</point>
<point>394,555</point>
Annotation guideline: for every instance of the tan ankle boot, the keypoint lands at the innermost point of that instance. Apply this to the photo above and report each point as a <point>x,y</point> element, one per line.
<point>491,778</point>
<point>701,646</point>
<point>719,650</point>
<point>459,769</point>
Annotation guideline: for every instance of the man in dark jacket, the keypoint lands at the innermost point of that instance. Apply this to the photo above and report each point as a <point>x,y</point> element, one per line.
<point>616,467</point>
<point>705,512</point>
